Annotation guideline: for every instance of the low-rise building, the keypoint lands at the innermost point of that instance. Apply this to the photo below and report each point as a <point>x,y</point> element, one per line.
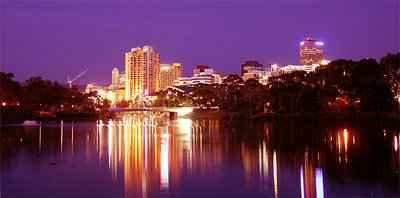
<point>91,87</point>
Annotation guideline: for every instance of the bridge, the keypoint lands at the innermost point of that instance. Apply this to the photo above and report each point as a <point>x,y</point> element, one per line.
<point>173,111</point>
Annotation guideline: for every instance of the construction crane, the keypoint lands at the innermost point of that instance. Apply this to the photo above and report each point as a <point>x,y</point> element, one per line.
<point>70,81</point>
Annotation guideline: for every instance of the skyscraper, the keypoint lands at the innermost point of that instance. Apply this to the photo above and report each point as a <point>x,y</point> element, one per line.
<point>142,71</point>
<point>115,76</point>
<point>311,52</point>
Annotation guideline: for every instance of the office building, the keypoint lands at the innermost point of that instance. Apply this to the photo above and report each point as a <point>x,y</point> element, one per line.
<point>251,66</point>
<point>142,71</point>
<point>166,76</point>
<point>311,52</point>
<point>203,75</point>
<point>121,80</point>
<point>115,76</point>
<point>178,70</point>
<point>169,73</point>
<point>117,79</point>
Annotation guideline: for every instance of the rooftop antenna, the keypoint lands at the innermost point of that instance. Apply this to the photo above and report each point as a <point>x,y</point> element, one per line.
<point>70,81</point>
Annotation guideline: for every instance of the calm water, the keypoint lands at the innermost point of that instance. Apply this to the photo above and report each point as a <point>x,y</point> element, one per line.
<point>158,157</point>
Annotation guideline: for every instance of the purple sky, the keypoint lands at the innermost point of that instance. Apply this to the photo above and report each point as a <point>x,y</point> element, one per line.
<point>59,39</point>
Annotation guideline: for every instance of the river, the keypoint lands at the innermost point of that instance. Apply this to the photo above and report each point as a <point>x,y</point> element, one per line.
<point>154,156</point>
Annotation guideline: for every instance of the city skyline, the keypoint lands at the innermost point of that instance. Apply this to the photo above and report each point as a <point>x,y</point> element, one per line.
<point>45,39</point>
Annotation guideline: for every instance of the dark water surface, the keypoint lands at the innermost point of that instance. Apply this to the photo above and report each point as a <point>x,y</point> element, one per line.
<point>158,157</point>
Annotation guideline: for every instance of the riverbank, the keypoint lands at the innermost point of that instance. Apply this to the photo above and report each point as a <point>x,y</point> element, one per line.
<point>8,117</point>
<point>321,117</point>
<point>380,117</point>
<point>205,114</point>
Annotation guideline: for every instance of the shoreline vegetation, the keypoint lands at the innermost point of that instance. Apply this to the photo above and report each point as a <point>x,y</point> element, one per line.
<point>343,90</point>
<point>392,119</point>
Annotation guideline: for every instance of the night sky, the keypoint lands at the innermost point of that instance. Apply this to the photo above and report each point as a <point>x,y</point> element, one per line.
<point>59,39</point>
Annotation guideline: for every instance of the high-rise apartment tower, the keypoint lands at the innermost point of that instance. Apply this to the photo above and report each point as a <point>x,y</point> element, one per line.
<point>142,71</point>
<point>311,52</point>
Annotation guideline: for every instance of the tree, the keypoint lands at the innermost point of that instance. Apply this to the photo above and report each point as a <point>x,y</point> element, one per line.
<point>10,90</point>
<point>204,96</point>
<point>367,78</point>
<point>233,79</point>
<point>254,95</point>
<point>35,94</point>
<point>306,100</point>
<point>391,64</point>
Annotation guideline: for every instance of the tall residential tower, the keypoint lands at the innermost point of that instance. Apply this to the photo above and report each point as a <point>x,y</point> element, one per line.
<point>311,52</point>
<point>142,71</point>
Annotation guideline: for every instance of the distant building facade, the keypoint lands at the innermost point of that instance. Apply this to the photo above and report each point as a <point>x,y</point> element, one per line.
<point>201,75</point>
<point>178,70</point>
<point>115,76</point>
<point>311,52</point>
<point>251,66</point>
<point>92,87</point>
<point>142,71</point>
<point>117,79</point>
<point>166,76</point>
<point>170,73</point>
<point>183,81</point>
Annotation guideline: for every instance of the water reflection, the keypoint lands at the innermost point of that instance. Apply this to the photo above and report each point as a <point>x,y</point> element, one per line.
<point>154,156</point>
<point>311,178</point>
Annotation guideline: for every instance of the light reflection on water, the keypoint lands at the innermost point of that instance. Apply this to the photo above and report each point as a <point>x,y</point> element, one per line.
<point>153,156</point>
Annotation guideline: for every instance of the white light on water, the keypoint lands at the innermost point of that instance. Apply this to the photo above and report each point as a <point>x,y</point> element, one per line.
<point>302,182</point>
<point>319,182</point>
<point>275,175</point>
<point>184,111</point>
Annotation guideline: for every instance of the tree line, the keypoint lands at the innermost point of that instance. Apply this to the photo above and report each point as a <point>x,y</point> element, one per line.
<point>340,86</point>
<point>37,97</point>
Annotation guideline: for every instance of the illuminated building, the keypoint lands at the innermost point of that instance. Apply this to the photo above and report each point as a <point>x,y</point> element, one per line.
<point>311,52</point>
<point>166,76</point>
<point>92,87</point>
<point>119,94</point>
<point>183,81</point>
<point>169,73</point>
<point>115,76</point>
<point>204,78</point>
<point>251,66</point>
<point>203,75</point>
<point>117,80</point>
<point>142,71</point>
<point>252,75</point>
<point>262,76</point>
<point>178,70</point>
<point>121,80</point>
<point>292,68</point>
